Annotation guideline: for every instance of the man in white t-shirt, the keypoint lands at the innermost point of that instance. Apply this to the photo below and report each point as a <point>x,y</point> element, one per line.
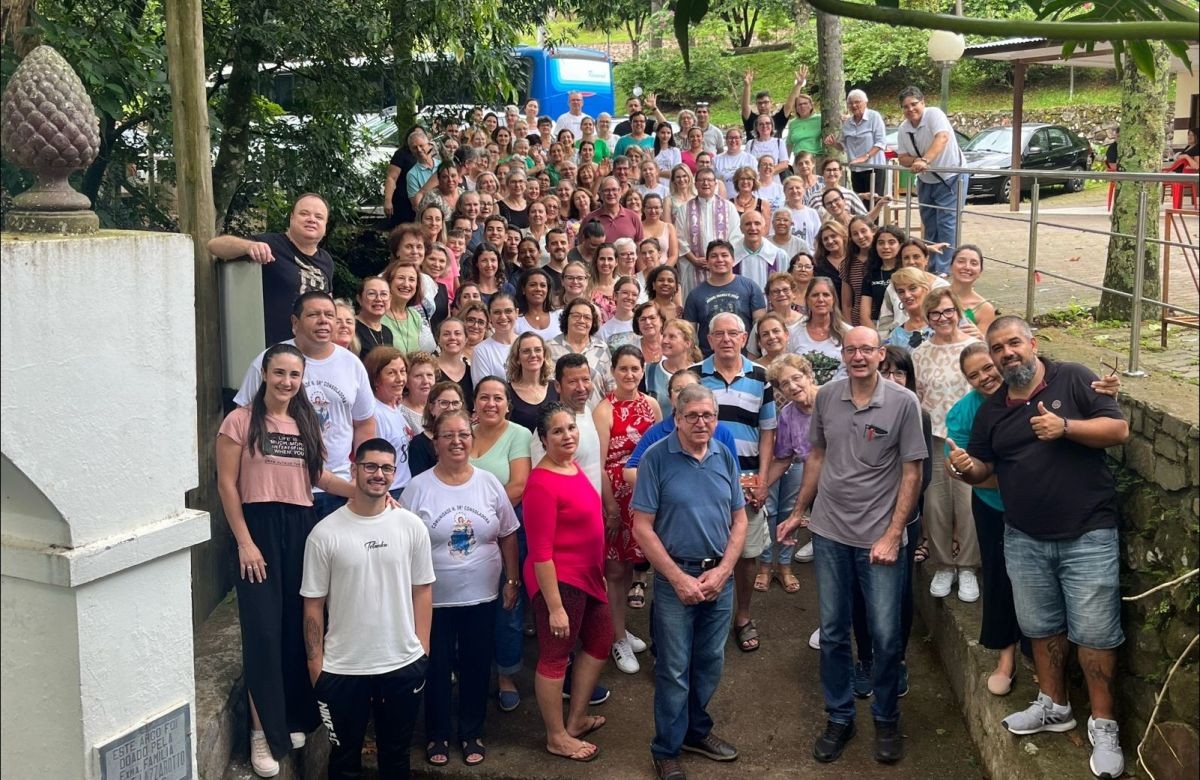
<point>372,568</point>
<point>926,140</point>
<point>573,377</point>
<point>753,256</point>
<point>574,116</point>
<point>336,384</point>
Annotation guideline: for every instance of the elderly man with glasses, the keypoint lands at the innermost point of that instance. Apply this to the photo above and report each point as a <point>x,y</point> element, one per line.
<point>864,473</point>
<point>690,520</point>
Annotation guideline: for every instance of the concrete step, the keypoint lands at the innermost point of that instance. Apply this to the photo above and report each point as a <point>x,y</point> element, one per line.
<point>954,629</point>
<point>307,763</point>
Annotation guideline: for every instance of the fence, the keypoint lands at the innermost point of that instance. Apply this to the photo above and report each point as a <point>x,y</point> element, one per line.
<point>1146,183</point>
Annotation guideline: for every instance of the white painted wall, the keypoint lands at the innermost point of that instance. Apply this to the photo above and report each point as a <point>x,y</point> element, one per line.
<point>1187,85</point>
<point>98,344</point>
<point>98,433</point>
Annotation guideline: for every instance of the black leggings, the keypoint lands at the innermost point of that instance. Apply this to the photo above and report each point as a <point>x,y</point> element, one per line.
<point>462,638</point>
<point>999,628</point>
<point>270,613</point>
<point>346,702</point>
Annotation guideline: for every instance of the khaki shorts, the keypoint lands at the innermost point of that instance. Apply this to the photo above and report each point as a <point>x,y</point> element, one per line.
<point>757,534</point>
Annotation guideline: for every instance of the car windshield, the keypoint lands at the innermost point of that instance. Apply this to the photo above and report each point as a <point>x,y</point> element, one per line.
<point>997,139</point>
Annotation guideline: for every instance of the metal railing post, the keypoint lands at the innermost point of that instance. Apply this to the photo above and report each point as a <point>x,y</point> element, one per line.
<point>1031,271</point>
<point>872,190</point>
<point>960,200</point>
<point>1139,280</point>
<point>908,204</point>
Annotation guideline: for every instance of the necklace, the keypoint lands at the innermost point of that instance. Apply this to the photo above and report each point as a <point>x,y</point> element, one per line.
<point>376,335</point>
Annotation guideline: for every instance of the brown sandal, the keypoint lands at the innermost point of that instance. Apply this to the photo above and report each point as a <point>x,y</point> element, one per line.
<point>762,581</point>
<point>787,581</point>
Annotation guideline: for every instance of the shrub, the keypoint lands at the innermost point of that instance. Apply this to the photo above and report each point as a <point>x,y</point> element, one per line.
<point>712,75</point>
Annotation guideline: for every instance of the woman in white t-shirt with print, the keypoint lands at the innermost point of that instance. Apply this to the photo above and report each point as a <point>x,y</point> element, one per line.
<point>819,339</point>
<point>472,534</point>
<point>388,372</point>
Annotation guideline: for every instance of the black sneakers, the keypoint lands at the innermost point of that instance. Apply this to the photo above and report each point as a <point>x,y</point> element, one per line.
<point>889,743</point>
<point>829,746</point>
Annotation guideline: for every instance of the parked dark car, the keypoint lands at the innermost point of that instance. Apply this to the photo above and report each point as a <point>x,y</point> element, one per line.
<point>889,147</point>
<point>1043,148</point>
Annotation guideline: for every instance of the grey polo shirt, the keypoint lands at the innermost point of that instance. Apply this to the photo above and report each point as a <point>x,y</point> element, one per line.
<point>917,140</point>
<point>692,500</point>
<point>864,451</point>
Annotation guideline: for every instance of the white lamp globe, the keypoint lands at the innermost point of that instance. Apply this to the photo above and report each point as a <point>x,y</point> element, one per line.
<point>946,46</point>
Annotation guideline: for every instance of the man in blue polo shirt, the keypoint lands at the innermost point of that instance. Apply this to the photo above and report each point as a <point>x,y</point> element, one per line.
<point>689,518</point>
<point>747,405</point>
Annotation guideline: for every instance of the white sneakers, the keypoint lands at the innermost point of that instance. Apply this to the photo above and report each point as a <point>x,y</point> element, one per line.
<point>968,586</point>
<point>804,554</point>
<point>814,640</point>
<point>943,581</point>
<point>298,739</point>
<point>261,760</point>
<point>635,644</point>
<point>626,661</point>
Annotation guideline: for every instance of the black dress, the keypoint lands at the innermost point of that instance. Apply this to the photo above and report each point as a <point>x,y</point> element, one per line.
<point>526,414</point>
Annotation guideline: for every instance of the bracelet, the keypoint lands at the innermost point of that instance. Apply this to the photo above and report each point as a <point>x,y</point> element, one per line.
<point>514,583</point>
<point>1064,427</point>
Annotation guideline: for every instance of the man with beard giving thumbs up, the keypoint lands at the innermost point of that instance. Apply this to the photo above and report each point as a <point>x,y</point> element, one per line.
<point>1043,436</point>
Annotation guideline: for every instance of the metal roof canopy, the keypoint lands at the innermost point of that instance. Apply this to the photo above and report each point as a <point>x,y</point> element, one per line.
<point>1023,52</point>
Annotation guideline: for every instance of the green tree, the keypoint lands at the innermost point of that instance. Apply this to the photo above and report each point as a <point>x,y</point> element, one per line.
<point>629,15</point>
<point>741,17</point>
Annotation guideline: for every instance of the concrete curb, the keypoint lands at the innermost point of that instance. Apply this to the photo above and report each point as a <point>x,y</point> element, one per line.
<point>954,628</point>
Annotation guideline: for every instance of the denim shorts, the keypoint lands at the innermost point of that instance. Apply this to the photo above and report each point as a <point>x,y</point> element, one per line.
<point>1070,585</point>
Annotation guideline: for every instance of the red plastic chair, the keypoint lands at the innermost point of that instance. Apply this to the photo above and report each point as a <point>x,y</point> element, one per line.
<point>1177,189</point>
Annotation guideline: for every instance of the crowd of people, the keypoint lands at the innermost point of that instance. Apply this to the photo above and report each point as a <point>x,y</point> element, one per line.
<point>606,367</point>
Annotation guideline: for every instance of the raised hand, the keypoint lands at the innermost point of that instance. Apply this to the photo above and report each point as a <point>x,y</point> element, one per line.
<point>959,460</point>
<point>748,77</point>
<point>802,74</point>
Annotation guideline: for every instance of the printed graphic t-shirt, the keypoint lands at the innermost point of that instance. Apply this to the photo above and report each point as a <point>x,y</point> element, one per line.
<point>277,473</point>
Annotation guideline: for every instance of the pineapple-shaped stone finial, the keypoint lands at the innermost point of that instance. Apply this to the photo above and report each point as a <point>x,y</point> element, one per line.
<point>48,126</point>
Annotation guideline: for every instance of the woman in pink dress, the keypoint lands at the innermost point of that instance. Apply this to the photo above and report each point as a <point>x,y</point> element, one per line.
<point>621,418</point>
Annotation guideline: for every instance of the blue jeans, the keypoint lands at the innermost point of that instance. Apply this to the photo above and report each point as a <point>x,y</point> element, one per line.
<point>938,205</point>
<point>781,499</point>
<point>510,623</point>
<point>839,566</point>
<point>689,644</point>
<point>325,504</point>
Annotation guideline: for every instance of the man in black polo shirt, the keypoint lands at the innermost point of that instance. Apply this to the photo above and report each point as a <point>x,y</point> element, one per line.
<point>293,262</point>
<point>1043,436</point>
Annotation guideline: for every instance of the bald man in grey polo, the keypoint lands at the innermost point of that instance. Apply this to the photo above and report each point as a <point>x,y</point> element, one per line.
<point>861,474</point>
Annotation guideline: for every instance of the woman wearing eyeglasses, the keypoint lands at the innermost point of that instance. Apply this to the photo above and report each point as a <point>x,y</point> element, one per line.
<point>445,396</point>
<point>387,368</point>
<point>269,456</point>
<point>940,384</point>
<point>472,533</point>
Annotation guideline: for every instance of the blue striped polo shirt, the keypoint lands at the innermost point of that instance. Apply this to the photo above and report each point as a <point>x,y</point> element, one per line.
<point>746,405</point>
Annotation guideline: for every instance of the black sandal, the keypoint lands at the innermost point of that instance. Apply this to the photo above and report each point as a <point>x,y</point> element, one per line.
<point>472,747</point>
<point>637,595</point>
<point>747,636</point>
<point>437,752</point>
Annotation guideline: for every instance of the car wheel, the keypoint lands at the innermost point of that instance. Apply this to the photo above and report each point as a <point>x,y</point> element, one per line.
<point>1003,190</point>
<point>1075,184</point>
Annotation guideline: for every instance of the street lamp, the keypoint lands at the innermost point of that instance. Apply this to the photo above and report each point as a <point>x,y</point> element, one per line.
<point>946,48</point>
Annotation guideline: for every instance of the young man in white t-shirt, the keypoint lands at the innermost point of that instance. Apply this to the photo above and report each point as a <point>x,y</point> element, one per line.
<point>336,383</point>
<point>372,568</point>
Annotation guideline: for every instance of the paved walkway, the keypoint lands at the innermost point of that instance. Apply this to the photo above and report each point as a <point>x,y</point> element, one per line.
<point>769,705</point>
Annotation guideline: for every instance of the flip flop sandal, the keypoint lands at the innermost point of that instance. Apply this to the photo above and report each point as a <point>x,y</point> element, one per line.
<point>637,595</point>
<point>788,582</point>
<point>746,636</point>
<point>577,755</point>
<point>437,752</point>
<point>762,582</point>
<point>595,724</point>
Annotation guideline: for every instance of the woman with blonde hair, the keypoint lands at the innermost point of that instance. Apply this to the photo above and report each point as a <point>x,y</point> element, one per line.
<point>912,285</point>
<point>679,351</point>
<point>681,190</point>
<point>343,326</point>
<point>528,373</point>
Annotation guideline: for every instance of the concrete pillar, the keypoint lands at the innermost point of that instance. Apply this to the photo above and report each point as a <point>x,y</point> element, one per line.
<point>98,435</point>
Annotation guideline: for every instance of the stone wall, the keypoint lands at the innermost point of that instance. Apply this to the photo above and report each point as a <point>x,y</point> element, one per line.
<point>1090,122</point>
<point>1160,506</point>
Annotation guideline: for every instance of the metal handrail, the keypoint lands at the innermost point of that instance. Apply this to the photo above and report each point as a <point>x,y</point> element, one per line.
<point>1143,181</point>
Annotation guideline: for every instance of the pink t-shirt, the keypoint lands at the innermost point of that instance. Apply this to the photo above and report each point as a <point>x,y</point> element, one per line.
<point>278,473</point>
<point>564,524</point>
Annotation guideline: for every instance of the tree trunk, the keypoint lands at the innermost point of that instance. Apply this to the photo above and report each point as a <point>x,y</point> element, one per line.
<point>93,177</point>
<point>656,40</point>
<point>230,167</point>
<point>832,73</point>
<point>403,72</point>
<point>1143,107</point>
<point>801,12</point>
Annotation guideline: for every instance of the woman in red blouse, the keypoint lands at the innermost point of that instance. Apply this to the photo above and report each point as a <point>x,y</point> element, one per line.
<point>564,574</point>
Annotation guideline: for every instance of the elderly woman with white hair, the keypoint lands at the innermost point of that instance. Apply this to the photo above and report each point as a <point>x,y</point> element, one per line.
<point>863,141</point>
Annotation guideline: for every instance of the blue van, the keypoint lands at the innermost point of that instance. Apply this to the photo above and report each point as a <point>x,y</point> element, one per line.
<point>549,76</point>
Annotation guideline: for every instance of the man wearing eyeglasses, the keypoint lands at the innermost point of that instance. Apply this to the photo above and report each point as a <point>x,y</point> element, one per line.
<point>372,568</point>
<point>618,221</point>
<point>690,521</point>
<point>864,473</point>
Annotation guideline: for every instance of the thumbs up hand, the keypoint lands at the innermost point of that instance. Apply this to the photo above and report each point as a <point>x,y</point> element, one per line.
<point>1047,426</point>
<point>958,461</point>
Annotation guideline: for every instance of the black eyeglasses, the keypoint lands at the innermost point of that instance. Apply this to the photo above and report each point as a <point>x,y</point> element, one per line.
<point>371,468</point>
